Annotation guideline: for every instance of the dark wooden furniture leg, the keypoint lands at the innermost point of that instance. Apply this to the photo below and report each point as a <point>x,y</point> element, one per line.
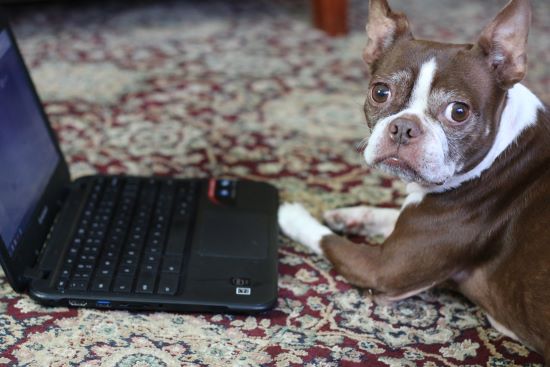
<point>331,16</point>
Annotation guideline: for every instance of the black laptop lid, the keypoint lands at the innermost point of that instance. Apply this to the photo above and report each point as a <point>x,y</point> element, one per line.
<point>33,173</point>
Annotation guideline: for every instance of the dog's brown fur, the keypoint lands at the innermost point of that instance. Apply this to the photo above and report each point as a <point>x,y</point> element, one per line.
<point>495,245</point>
<point>491,235</point>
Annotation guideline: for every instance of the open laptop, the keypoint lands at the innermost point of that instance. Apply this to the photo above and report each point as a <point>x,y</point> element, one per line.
<point>124,242</point>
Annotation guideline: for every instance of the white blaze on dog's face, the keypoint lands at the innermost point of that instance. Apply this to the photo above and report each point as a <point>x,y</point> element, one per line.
<point>434,108</point>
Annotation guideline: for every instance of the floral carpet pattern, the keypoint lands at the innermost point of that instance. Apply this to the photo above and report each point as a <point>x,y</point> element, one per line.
<point>243,89</point>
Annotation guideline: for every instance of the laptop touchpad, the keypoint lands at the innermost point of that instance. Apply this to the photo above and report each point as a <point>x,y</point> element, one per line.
<point>234,234</point>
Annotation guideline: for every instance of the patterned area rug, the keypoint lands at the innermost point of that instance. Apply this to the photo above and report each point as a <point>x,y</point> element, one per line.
<point>241,89</point>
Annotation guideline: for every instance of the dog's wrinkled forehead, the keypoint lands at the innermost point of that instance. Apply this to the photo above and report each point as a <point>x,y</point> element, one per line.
<point>442,71</point>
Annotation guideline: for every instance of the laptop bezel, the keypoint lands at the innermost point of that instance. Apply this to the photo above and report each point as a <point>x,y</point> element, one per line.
<point>32,240</point>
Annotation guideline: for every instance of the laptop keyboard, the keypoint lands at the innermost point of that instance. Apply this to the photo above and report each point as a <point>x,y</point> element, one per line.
<point>122,243</point>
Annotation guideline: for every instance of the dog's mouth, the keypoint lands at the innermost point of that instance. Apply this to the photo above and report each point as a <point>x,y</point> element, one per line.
<point>400,167</point>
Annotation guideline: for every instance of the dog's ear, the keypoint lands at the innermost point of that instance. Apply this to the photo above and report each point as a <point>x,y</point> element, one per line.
<point>504,42</point>
<point>384,27</point>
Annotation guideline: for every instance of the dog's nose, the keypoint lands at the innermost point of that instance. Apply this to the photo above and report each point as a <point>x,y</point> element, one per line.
<point>403,130</point>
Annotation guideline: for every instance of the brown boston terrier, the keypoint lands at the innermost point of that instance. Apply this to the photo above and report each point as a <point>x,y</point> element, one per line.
<point>473,145</point>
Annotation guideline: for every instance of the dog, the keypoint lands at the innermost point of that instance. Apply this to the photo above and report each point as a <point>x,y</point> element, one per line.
<point>473,146</point>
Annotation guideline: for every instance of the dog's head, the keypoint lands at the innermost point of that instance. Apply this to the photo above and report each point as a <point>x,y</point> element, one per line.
<point>434,108</point>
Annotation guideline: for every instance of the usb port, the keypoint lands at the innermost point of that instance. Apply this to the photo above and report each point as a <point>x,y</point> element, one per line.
<point>103,303</point>
<point>77,303</point>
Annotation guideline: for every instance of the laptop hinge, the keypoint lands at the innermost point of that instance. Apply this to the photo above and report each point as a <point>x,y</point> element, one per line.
<point>35,273</point>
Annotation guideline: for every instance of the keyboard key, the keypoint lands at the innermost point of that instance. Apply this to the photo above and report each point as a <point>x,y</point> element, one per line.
<point>129,260</point>
<point>134,245</point>
<point>62,284</point>
<point>151,257</point>
<point>146,283</point>
<point>172,264</point>
<point>131,254</point>
<point>113,246</point>
<point>78,285</point>
<point>123,284</point>
<point>107,264</point>
<point>81,275</point>
<point>128,270</point>
<point>65,272</point>
<point>108,272</point>
<point>154,242</point>
<point>101,284</point>
<point>153,267</point>
<point>84,267</point>
<point>110,255</point>
<point>153,249</point>
<point>91,250</point>
<point>168,284</point>
<point>86,259</point>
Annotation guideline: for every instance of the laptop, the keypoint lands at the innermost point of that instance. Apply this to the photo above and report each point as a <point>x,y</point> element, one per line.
<point>119,242</point>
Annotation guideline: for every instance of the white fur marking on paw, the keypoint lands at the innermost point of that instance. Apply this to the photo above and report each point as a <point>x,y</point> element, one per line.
<point>362,220</point>
<point>296,222</point>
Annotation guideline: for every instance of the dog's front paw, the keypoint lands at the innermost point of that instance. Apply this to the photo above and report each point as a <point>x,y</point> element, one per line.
<point>362,220</point>
<point>296,222</point>
<point>340,220</point>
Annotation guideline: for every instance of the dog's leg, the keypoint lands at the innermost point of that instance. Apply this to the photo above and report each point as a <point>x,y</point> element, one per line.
<point>362,220</point>
<point>368,220</point>
<point>391,270</point>
<point>401,267</point>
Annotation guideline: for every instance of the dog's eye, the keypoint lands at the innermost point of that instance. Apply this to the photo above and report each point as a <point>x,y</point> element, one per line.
<point>457,112</point>
<point>381,93</point>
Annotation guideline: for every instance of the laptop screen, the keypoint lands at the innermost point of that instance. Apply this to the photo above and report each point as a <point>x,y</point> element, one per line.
<point>28,156</point>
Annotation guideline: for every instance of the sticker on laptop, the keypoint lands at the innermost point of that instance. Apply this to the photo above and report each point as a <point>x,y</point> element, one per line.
<point>242,291</point>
